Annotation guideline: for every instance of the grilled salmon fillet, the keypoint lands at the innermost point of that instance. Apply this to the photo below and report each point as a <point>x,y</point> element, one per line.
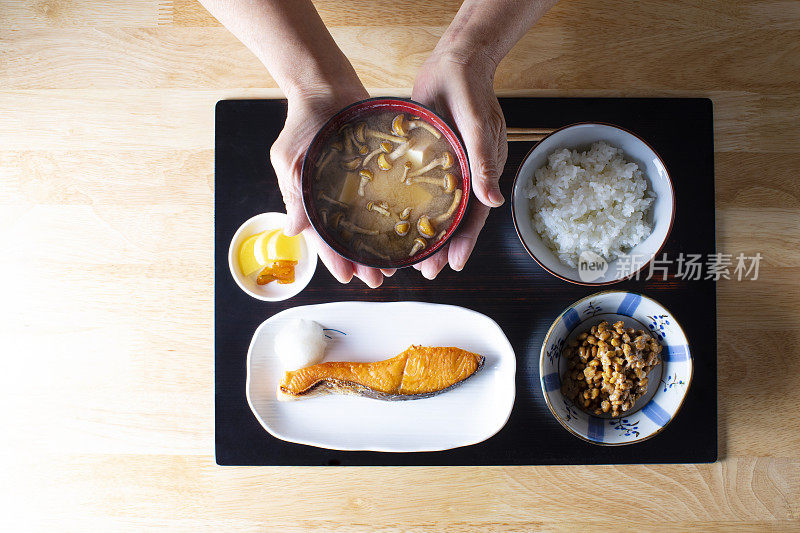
<point>418,372</point>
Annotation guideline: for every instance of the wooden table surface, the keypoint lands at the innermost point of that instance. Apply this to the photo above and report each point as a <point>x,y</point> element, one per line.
<point>106,220</point>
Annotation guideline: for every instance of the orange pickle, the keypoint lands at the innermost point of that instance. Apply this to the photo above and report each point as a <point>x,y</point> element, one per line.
<point>281,271</point>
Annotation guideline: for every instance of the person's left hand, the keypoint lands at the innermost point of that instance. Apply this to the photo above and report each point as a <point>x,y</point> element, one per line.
<point>461,89</point>
<point>307,112</point>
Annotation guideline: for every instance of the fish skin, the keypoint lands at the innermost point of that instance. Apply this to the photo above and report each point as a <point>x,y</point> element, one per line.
<point>419,372</point>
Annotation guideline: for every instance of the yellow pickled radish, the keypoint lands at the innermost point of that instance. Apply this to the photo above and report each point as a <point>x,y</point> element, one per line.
<point>261,246</point>
<point>247,258</point>
<point>283,248</point>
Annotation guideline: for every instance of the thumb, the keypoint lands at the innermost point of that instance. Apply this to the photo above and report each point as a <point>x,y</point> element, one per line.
<point>289,183</point>
<point>287,166</point>
<point>296,218</point>
<point>296,221</point>
<point>485,165</point>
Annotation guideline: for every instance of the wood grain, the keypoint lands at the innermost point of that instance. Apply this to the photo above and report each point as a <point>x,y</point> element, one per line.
<point>106,165</point>
<point>520,498</point>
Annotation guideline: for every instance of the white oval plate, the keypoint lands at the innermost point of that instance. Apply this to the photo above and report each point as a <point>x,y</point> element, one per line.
<point>370,331</point>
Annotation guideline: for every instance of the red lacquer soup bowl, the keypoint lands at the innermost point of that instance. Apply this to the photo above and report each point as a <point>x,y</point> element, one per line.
<point>357,112</point>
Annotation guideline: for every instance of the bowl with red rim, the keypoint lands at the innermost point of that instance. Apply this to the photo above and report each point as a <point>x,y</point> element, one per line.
<point>359,111</point>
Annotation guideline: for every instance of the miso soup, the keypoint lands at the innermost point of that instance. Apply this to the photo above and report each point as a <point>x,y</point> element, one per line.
<point>387,186</point>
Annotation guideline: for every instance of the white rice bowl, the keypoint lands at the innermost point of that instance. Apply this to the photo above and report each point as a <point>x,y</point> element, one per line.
<point>589,201</point>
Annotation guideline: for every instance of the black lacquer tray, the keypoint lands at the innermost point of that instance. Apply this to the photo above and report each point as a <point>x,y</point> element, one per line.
<point>500,280</point>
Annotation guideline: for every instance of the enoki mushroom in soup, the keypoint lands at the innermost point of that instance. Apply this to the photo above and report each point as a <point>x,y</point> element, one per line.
<point>389,184</point>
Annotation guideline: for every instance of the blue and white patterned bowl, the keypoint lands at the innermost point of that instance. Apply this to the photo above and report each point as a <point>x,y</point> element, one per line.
<point>651,413</point>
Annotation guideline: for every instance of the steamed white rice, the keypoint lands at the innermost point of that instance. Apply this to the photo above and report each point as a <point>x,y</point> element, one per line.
<point>589,201</point>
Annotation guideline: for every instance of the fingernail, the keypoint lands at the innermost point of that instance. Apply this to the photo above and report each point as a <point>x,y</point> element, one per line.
<point>458,261</point>
<point>369,281</point>
<point>341,277</point>
<point>496,198</point>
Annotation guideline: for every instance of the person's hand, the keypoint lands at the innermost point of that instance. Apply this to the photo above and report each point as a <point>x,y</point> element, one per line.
<point>461,89</point>
<point>306,115</point>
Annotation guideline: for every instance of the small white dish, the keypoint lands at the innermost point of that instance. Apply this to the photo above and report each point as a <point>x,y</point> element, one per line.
<point>471,412</point>
<point>668,382</point>
<point>271,292</point>
<point>660,215</point>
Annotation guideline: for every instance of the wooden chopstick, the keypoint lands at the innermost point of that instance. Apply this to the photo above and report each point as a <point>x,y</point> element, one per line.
<point>527,134</point>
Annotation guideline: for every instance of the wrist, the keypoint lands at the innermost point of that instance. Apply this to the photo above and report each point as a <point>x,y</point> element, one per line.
<point>320,86</point>
<point>474,60</point>
<point>333,95</point>
<point>316,79</point>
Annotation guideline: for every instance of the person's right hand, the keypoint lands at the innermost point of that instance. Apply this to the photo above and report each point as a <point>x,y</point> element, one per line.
<point>306,115</point>
<point>461,88</point>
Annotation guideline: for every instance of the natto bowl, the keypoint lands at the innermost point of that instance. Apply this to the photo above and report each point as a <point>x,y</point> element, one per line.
<point>355,112</point>
<point>667,385</point>
<point>596,271</point>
